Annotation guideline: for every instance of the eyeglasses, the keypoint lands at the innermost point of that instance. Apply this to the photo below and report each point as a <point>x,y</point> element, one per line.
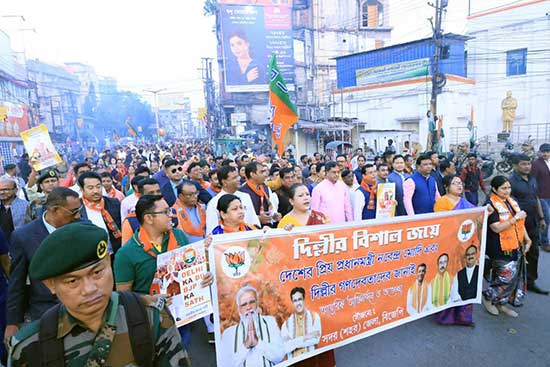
<point>7,190</point>
<point>71,212</point>
<point>174,170</point>
<point>166,211</point>
<point>457,183</point>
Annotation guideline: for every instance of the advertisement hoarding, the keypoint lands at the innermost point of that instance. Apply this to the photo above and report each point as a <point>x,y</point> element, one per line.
<point>250,34</point>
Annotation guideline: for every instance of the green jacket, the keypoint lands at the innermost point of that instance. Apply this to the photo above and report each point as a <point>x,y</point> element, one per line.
<point>80,342</point>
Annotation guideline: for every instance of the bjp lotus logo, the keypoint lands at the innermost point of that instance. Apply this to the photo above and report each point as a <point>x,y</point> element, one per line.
<point>189,255</point>
<point>235,262</point>
<point>466,230</point>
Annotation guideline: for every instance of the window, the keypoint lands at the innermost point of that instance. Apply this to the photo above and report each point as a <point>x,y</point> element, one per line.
<point>516,62</point>
<point>372,14</point>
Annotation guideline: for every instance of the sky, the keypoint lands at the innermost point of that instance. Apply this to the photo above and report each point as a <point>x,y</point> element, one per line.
<point>142,44</point>
<point>159,44</point>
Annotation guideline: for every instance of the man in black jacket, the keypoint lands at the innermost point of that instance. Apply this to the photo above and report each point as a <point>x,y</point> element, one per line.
<point>174,172</point>
<point>101,210</point>
<point>62,207</point>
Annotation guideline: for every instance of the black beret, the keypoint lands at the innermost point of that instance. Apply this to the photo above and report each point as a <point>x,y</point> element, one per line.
<point>45,175</point>
<point>72,247</point>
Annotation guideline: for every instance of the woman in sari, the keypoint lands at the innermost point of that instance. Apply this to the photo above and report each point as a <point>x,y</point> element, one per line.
<point>507,243</point>
<point>453,200</point>
<point>302,215</point>
<point>232,216</point>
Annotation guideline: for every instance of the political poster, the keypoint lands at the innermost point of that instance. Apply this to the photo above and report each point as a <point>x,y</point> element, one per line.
<point>281,297</point>
<point>179,274</point>
<point>39,146</point>
<point>392,72</point>
<point>385,200</point>
<point>251,33</point>
<point>14,118</point>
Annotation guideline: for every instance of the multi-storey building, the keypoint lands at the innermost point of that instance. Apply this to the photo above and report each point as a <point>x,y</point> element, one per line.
<point>58,92</point>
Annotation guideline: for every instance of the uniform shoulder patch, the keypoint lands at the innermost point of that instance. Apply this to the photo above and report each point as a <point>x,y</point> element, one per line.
<point>25,333</point>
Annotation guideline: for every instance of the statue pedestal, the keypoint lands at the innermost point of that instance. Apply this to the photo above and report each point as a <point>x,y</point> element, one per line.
<point>503,137</point>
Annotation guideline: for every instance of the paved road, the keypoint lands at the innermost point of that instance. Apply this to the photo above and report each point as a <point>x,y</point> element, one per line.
<point>495,341</point>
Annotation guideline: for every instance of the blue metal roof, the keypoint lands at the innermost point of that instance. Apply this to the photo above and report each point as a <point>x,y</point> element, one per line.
<point>346,66</point>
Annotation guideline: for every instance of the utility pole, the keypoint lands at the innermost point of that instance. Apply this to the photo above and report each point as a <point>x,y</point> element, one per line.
<point>209,97</point>
<point>439,6</point>
<point>155,92</point>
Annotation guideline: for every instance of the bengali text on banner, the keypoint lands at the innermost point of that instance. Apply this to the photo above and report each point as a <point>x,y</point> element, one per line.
<point>280,297</point>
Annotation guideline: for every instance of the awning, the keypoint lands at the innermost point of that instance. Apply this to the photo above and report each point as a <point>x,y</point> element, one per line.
<point>333,145</point>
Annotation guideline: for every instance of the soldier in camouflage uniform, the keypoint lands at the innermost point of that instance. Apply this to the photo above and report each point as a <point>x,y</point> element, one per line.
<point>92,325</point>
<point>44,185</point>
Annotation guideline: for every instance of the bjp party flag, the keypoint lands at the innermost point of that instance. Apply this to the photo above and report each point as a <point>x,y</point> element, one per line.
<point>131,130</point>
<point>283,111</point>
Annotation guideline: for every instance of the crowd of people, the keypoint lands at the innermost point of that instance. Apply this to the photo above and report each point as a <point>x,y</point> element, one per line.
<point>128,204</point>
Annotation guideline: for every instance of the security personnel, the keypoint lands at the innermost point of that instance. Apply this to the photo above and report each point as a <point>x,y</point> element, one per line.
<point>93,326</point>
<point>45,183</point>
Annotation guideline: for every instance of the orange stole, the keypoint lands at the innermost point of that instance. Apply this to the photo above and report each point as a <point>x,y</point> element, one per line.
<point>186,224</point>
<point>511,238</point>
<point>419,295</point>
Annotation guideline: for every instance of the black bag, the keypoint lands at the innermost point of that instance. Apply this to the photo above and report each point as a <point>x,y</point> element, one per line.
<point>50,351</point>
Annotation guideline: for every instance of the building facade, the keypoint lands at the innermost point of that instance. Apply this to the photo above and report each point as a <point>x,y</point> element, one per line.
<point>58,92</point>
<point>15,112</point>
<point>387,92</point>
<point>508,52</point>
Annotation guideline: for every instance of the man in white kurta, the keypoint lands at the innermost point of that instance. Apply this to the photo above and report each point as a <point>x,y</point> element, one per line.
<point>301,332</point>
<point>256,340</point>
<point>419,295</point>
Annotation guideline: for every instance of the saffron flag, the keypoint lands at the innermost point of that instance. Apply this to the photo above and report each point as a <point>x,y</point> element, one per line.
<point>283,111</point>
<point>115,136</point>
<point>130,127</point>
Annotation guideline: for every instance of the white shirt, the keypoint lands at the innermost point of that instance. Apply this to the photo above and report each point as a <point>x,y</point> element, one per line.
<point>270,348</point>
<point>427,307</point>
<point>213,217</point>
<point>128,205</point>
<point>352,191</point>
<point>96,218</point>
<point>455,296</point>
<point>548,164</point>
<point>48,226</point>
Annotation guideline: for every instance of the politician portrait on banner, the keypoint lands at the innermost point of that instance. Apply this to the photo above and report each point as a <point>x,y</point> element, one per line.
<point>284,296</point>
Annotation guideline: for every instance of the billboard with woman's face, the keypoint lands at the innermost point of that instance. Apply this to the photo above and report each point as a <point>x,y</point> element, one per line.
<point>250,34</point>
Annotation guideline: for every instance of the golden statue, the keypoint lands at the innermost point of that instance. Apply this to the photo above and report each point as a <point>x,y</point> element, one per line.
<point>509,106</point>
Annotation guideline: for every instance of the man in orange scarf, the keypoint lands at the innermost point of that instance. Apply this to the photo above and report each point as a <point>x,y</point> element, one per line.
<point>419,296</point>
<point>136,262</point>
<point>194,173</point>
<point>441,284</point>
<point>190,214</point>
<point>101,210</point>
<point>364,205</point>
<point>266,203</point>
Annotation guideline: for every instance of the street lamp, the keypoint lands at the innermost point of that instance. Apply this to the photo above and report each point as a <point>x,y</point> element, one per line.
<point>155,92</point>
